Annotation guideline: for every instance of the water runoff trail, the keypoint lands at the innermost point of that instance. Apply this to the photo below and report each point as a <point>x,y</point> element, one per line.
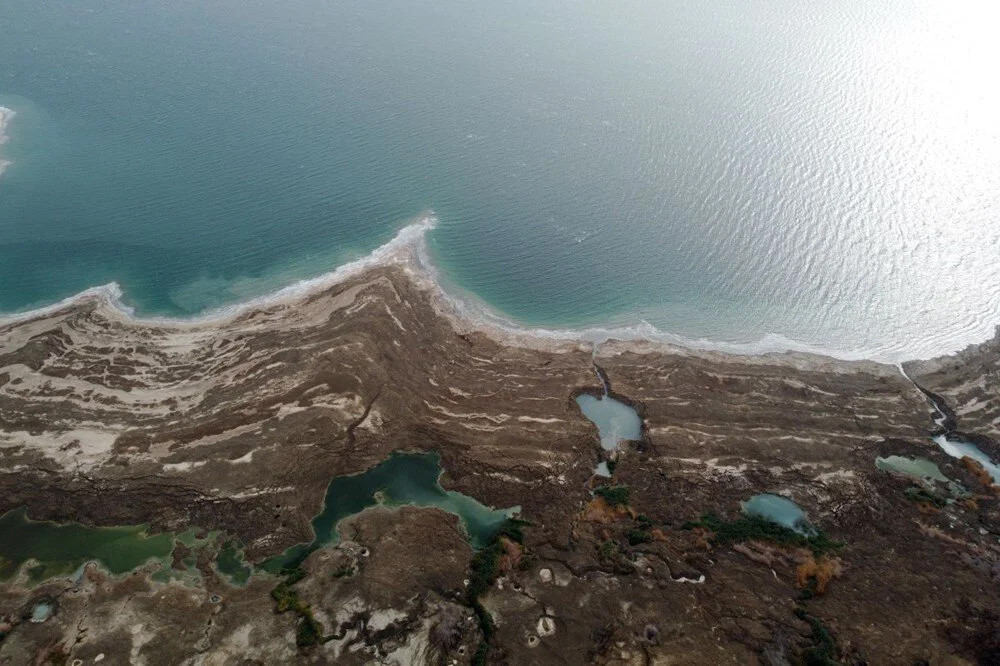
<point>950,439</point>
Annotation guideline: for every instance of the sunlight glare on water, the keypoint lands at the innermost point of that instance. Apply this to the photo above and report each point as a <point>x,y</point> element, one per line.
<point>757,175</point>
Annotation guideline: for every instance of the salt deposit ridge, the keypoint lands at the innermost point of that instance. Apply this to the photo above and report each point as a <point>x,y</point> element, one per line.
<point>408,248</point>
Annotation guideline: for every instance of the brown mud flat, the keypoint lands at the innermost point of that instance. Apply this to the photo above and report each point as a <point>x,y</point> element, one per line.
<point>239,425</point>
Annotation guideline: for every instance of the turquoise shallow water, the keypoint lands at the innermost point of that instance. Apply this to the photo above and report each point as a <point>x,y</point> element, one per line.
<point>400,479</point>
<point>616,422</point>
<point>826,174</point>
<point>780,510</point>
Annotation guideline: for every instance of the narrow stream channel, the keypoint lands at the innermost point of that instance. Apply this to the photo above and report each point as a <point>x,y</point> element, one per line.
<point>949,442</point>
<point>616,422</point>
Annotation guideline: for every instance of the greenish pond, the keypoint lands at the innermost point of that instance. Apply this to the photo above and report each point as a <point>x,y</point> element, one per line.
<point>922,470</point>
<point>62,549</point>
<point>402,478</point>
<point>231,564</point>
<point>779,510</point>
<point>59,550</point>
<point>918,468</point>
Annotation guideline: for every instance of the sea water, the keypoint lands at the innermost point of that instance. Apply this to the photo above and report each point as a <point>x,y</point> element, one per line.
<point>766,175</point>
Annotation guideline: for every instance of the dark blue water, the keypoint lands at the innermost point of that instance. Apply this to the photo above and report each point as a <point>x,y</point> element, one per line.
<point>779,173</point>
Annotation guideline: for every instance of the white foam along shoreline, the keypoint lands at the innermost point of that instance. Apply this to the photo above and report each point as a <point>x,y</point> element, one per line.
<point>395,251</point>
<point>408,249</point>
<point>6,115</point>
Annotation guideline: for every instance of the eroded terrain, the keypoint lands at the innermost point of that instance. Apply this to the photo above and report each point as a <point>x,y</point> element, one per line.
<point>237,427</point>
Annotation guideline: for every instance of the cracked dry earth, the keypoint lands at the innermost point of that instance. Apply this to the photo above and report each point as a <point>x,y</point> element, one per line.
<point>239,425</point>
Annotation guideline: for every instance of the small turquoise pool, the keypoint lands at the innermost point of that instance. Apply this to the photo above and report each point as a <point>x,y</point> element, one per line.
<point>779,510</point>
<point>616,422</point>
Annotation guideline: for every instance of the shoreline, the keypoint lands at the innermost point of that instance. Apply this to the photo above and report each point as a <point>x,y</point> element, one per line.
<point>407,251</point>
<point>239,427</point>
<point>6,115</point>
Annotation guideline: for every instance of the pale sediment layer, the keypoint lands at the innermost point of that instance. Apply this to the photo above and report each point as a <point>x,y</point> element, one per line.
<point>238,421</point>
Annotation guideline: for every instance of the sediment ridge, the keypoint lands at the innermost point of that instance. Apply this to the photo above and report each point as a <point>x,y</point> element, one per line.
<point>237,422</point>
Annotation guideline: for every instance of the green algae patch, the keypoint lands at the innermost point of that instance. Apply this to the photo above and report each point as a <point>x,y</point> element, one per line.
<point>401,479</point>
<point>641,532</point>
<point>61,549</point>
<point>230,563</point>
<point>484,569</point>
<point>308,631</point>
<point>758,528</point>
<point>823,651</point>
<point>614,495</point>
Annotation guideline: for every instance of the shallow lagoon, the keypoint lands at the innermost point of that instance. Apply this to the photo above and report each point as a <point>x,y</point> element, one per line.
<point>403,478</point>
<point>62,549</point>
<point>616,422</point>
<point>919,468</point>
<point>230,563</point>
